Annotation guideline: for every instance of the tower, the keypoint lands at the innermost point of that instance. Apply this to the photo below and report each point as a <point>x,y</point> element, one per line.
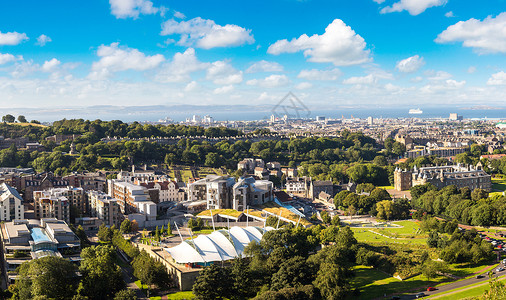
<point>402,179</point>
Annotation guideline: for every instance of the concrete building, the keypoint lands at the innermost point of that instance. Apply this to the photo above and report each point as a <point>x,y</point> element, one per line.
<point>297,185</point>
<point>51,204</point>
<point>455,117</point>
<point>11,203</point>
<point>34,239</point>
<point>164,191</point>
<point>441,176</point>
<point>105,208</point>
<point>248,165</point>
<point>247,191</point>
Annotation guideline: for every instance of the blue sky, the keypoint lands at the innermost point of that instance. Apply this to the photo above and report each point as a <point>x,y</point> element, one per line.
<point>330,53</point>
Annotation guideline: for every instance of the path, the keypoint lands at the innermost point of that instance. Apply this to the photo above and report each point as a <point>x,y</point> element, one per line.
<point>462,290</point>
<point>129,279</point>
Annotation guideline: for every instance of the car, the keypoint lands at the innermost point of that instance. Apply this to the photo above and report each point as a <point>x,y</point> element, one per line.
<point>504,261</point>
<point>479,276</point>
<point>395,298</point>
<point>420,295</point>
<point>430,289</point>
<point>499,269</point>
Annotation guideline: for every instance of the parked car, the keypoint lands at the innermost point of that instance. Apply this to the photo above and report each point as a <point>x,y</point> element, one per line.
<point>499,269</point>
<point>430,289</point>
<point>420,295</point>
<point>479,276</point>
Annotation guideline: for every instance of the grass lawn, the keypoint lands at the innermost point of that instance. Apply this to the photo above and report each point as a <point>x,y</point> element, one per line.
<point>405,234</point>
<point>203,231</point>
<point>228,212</point>
<point>181,296</point>
<point>387,187</point>
<point>186,174</point>
<point>143,287</point>
<point>375,284</point>
<point>499,184</point>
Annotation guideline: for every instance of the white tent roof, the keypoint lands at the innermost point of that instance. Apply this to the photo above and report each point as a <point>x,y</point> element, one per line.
<point>220,245</point>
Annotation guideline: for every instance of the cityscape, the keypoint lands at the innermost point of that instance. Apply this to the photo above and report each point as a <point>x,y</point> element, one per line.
<point>281,149</point>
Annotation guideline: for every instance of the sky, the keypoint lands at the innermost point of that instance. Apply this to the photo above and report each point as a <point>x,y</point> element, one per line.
<point>329,53</point>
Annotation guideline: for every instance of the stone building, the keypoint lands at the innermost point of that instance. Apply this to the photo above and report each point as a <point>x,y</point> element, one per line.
<point>441,176</point>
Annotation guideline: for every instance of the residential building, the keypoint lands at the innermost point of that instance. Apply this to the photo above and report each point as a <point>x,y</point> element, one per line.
<point>297,185</point>
<point>127,194</point>
<point>51,204</point>
<point>248,165</point>
<point>165,191</point>
<point>105,208</point>
<point>11,203</point>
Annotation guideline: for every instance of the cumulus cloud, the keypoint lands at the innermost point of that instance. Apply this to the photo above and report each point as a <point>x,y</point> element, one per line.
<point>314,74</point>
<point>224,89</point>
<point>339,45</point>
<point>443,86</point>
<point>265,66</point>
<point>438,76</point>
<point>6,58</point>
<point>222,73</point>
<point>116,59</point>
<point>449,14</point>
<point>372,78</point>
<point>410,64</point>
<point>414,7</point>
<point>304,85</point>
<point>179,15</point>
<point>42,40</point>
<point>207,34</point>
<point>180,67</point>
<point>12,38</point>
<point>379,1</point>
<point>50,65</point>
<point>192,86</point>
<point>123,9</point>
<point>271,81</point>
<point>497,79</point>
<point>487,36</point>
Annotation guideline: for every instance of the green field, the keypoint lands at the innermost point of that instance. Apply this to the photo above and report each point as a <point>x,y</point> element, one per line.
<point>408,233</point>
<point>376,284</point>
<point>478,290</point>
<point>498,186</point>
<point>181,296</point>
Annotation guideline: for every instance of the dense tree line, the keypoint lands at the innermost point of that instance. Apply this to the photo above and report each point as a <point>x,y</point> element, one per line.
<point>285,265</point>
<point>97,277</point>
<point>461,246</point>
<point>473,208</point>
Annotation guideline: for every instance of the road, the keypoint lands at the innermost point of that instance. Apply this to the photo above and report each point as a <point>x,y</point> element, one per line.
<point>455,285</point>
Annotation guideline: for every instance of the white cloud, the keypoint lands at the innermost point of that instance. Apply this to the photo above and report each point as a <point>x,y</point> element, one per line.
<point>180,67</point>
<point>271,81</point>
<point>487,36</point>
<point>414,7</point>
<point>315,74</point>
<point>222,73</point>
<point>207,34</point>
<point>410,64</point>
<point>116,59</point>
<point>368,79</point>
<point>471,69</point>
<point>265,66</point>
<point>192,86</point>
<point>438,76</point>
<point>179,15</point>
<point>497,79</point>
<point>6,58</point>
<point>51,65</point>
<point>123,9</point>
<point>339,45</point>
<point>224,89</point>
<point>12,38</point>
<point>379,1</point>
<point>443,86</point>
<point>304,86</point>
<point>42,40</point>
<point>417,79</point>
<point>449,14</point>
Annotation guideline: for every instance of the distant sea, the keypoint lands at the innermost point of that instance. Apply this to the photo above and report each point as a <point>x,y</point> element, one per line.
<point>246,113</point>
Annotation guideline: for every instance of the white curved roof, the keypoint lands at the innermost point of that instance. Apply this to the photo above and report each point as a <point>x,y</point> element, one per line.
<point>220,245</point>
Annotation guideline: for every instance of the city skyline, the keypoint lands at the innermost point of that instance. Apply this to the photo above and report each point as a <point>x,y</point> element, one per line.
<point>355,53</point>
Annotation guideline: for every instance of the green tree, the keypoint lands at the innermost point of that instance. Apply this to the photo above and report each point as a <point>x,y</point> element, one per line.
<point>22,119</point>
<point>213,283</point>
<point>104,233</point>
<point>8,119</point>
<point>47,278</point>
<point>126,294</point>
<point>325,217</point>
<point>126,226</point>
<point>102,278</point>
